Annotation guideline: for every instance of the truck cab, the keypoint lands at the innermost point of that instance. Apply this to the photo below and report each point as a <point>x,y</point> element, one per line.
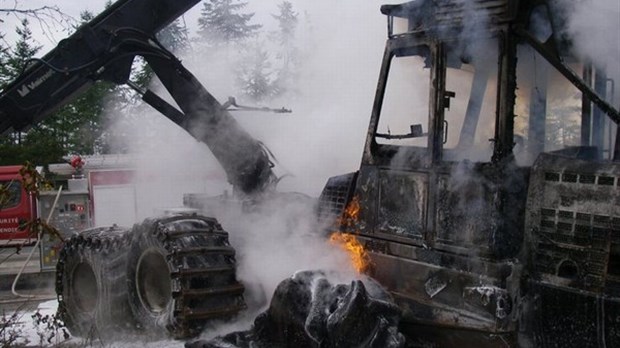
<point>486,195</point>
<point>17,207</point>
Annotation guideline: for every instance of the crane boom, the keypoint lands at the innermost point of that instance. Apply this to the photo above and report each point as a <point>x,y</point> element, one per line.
<point>104,49</point>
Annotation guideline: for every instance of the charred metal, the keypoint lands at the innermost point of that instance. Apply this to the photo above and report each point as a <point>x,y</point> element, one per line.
<point>499,240</point>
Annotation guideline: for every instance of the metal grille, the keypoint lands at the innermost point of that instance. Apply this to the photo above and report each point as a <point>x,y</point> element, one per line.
<point>577,224</point>
<point>334,197</point>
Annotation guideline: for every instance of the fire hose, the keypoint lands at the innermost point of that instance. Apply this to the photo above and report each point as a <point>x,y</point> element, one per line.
<point>40,297</point>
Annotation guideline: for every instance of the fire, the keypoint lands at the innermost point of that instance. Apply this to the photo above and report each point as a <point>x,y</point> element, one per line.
<point>352,211</point>
<point>350,244</point>
<point>347,241</point>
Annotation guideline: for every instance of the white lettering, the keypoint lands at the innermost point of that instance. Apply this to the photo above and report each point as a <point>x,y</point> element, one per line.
<point>12,220</point>
<point>25,89</point>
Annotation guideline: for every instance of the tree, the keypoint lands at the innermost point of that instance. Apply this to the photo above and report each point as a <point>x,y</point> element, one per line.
<point>287,54</point>
<point>48,18</point>
<point>221,23</point>
<point>174,37</point>
<point>253,78</point>
<point>4,63</point>
<point>74,128</point>
<point>78,125</point>
<point>16,60</point>
<point>287,23</point>
<point>24,50</point>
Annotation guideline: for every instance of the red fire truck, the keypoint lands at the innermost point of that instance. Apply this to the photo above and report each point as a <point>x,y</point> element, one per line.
<point>17,206</point>
<point>67,209</point>
<point>102,191</point>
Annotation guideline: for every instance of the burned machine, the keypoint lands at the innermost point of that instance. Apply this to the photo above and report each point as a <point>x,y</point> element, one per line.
<point>487,194</point>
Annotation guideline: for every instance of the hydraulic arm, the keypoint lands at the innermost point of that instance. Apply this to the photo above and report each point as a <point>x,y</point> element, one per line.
<point>104,49</point>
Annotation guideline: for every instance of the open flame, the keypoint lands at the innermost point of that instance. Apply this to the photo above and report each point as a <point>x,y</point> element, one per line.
<point>350,244</point>
<point>359,257</point>
<point>351,212</point>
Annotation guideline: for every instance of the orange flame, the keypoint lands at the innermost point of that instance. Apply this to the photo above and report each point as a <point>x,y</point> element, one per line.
<point>352,211</point>
<point>350,244</point>
<point>346,241</point>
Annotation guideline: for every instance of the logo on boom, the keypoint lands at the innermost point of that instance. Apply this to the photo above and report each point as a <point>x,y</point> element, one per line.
<point>26,88</point>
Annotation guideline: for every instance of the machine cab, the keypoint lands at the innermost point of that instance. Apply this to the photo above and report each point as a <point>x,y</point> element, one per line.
<point>488,161</point>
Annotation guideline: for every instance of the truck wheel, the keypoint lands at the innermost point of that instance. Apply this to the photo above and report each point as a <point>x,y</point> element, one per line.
<point>182,274</point>
<point>91,282</point>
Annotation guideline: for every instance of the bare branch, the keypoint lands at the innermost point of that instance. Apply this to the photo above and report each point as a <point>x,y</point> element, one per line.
<point>49,18</point>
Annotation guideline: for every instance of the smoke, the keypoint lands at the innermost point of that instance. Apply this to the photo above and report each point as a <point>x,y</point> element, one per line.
<point>274,241</point>
<point>593,26</point>
<point>341,46</point>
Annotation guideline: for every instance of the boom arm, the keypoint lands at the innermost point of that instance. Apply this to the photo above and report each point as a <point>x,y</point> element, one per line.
<point>104,49</point>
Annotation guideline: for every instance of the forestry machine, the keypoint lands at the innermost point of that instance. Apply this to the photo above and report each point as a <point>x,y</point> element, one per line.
<point>168,274</point>
<point>488,195</point>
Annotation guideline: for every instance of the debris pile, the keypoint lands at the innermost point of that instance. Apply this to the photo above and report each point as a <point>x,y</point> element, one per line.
<point>307,310</point>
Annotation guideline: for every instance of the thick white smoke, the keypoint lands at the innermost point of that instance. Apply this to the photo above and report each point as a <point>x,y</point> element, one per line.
<point>594,26</point>
<point>322,137</point>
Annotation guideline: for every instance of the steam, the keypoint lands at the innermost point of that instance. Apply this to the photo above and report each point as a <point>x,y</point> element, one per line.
<point>594,28</point>
<point>342,45</point>
<point>273,243</point>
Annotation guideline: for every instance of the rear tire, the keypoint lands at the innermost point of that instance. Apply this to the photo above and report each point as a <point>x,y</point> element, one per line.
<point>182,274</point>
<point>91,282</point>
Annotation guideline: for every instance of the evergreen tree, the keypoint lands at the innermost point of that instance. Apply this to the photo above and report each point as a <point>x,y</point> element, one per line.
<point>78,125</point>
<point>174,37</point>
<point>221,22</point>
<point>24,50</point>
<point>287,53</point>
<point>253,77</point>
<point>74,128</point>
<point>16,61</point>
<point>4,63</point>
<point>19,147</point>
<point>287,23</point>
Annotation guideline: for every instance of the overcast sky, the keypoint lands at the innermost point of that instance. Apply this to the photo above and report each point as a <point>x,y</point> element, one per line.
<point>327,10</point>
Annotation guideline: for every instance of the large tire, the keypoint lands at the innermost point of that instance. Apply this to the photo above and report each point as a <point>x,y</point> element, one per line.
<point>181,275</point>
<point>91,283</point>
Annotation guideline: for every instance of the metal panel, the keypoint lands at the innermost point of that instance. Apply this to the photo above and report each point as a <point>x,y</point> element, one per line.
<point>114,204</point>
<point>69,216</point>
<point>403,200</point>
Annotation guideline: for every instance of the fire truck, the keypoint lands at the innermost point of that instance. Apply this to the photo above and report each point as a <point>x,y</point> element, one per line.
<point>18,206</point>
<point>93,191</point>
<point>67,210</point>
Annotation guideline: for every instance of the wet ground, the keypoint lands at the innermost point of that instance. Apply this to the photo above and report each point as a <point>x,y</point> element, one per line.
<point>34,285</point>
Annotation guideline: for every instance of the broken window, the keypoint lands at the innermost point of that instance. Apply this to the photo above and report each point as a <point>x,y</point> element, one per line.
<point>470,100</point>
<point>405,110</point>
<point>552,114</point>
